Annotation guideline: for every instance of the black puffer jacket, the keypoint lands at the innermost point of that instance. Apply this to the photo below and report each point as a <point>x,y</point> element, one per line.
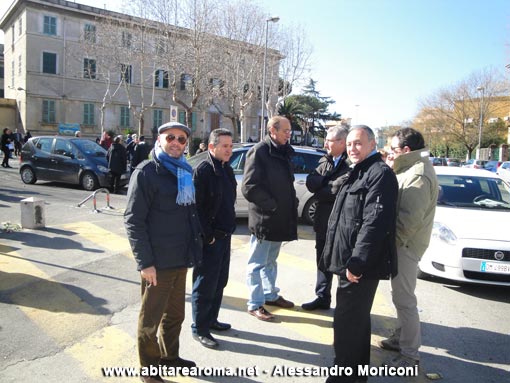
<point>362,225</point>
<point>320,182</point>
<point>161,233</point>
<point>209,185</point>
<point>268,185</point>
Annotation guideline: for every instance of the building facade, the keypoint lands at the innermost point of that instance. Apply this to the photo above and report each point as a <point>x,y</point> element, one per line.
<point>59,88</point>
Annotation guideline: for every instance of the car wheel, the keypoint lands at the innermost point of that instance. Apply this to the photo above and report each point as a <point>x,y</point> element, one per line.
<point>309,210</point>
<point>89,181</point>
<point>28,175</point>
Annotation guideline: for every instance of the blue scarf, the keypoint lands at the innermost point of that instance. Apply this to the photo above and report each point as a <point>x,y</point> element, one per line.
<point>183,171</point>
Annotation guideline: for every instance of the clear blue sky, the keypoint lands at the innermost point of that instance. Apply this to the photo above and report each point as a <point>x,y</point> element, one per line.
<point>385,55</point>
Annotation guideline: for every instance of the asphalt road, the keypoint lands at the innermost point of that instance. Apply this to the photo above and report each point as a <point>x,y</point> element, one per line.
<point>69,296</point>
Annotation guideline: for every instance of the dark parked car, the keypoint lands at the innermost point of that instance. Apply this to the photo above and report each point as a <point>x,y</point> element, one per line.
<point>304,161</point>
<point>438,161</point>
<point>453,162</point>
<point>65,159</point>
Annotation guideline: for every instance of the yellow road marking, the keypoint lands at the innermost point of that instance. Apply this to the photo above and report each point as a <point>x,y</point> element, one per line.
<point>100,236</point>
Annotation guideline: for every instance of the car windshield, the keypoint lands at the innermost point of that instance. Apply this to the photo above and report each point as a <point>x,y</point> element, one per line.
<point>475,192</point>
<point>90,148</point>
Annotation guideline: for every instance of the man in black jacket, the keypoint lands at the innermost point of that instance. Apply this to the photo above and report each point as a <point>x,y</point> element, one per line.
<point>268,185</point>
<point>360,248</point>
<point>140,153</point>
<point>164,231</point>
<point>320,182</point>
<point>215,185</point>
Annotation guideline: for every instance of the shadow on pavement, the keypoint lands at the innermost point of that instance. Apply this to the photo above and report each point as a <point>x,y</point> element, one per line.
<point>48,295</point>
<point>57,243</point>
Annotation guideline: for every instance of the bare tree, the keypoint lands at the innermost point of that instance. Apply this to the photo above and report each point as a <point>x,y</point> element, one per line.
<point>295,65</point>
<point>187,34</point>
<point>453,112</point>
<point>240,63</point>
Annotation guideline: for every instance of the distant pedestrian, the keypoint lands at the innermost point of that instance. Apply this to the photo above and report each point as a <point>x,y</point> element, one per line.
<point>106,140</point>
<point>140,153</point>
<point>201,148</point>
<point>117,162</point>
<point>28,136</point>
<point>5,143</point>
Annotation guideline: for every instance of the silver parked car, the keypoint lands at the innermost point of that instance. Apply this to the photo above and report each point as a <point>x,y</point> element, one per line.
<point>304,161</point>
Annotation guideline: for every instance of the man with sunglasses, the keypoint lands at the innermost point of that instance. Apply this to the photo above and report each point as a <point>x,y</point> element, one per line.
<point>164,231</point>
<point>268,185</point>
<point>215,185</point>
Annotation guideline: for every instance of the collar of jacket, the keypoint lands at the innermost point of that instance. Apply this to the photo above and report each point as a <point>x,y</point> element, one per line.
<point>160,169</point>
<point>405,161</point>
<point>366,163</point>
<point>216,164</point>
<point>278,150</point>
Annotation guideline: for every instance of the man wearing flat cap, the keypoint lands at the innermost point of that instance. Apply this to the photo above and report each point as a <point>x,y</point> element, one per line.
<point>164,232</point>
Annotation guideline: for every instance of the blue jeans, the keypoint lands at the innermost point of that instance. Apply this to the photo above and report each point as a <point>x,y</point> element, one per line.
<point>209,281</point>
<point>262,272</point>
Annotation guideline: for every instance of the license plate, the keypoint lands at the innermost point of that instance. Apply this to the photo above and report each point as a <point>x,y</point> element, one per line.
<point>493,267</point>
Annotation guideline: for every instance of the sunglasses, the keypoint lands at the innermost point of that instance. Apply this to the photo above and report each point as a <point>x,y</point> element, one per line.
<point>181,139</point>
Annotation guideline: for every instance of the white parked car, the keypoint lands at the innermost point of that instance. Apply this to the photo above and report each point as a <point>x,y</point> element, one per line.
<point>304,161</point>
<point>470,239</point>
<point>504,171</point>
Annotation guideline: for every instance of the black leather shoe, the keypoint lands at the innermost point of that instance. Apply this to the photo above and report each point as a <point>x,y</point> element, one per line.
<point>316,304</point>
<point>206,340</point>
<point>219,326</point>
<point>177,362</point>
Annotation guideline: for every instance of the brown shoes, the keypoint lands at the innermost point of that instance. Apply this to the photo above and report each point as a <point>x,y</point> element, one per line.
<point>262,314</point>
<point>281,302</point>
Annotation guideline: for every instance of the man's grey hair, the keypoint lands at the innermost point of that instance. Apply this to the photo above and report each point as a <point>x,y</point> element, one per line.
<point>370,132</point>
<point>339,132</point>
<point>214,137</point>
<point>275,122</point>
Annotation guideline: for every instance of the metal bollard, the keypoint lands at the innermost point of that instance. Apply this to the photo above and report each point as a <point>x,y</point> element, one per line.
<point>93,196</point>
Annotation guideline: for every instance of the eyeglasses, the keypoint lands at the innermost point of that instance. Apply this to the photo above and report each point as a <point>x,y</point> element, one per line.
<point>396,149</point>
<point>328,140</point>
<point>181,139</point>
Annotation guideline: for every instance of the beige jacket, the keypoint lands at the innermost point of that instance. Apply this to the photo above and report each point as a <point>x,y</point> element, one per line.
<point>417,197</point>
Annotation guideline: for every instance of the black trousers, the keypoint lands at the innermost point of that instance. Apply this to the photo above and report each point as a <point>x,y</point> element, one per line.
<point>7,153</point>
<point>352,327</point>
<point>209,281</point>
<point>324,279</point>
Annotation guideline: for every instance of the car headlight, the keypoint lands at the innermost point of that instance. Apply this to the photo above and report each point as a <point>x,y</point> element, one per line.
<point>103,169</point>
<point>444,233</point>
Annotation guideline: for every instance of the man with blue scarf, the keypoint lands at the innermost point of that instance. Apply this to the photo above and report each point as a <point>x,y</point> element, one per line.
<point>164,232</point>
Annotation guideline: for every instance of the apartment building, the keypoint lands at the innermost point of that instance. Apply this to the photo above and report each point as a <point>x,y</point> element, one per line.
<point>57,91</point>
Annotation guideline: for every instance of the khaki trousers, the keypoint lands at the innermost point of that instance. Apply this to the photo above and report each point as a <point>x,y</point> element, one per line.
<point>408,330</point>
<point>162,309</point>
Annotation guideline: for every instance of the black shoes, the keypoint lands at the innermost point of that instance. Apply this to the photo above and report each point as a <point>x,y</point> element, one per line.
<point>178,362</point>
<point>219,326</point>
<point>206,340</point>
<point>316,304</point>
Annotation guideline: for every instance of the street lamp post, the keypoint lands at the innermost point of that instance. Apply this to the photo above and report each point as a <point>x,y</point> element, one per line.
<point>273,19</point>
<point>480,89</point>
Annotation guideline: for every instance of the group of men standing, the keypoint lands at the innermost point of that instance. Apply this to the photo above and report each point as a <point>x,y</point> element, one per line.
<point>370,221</point>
